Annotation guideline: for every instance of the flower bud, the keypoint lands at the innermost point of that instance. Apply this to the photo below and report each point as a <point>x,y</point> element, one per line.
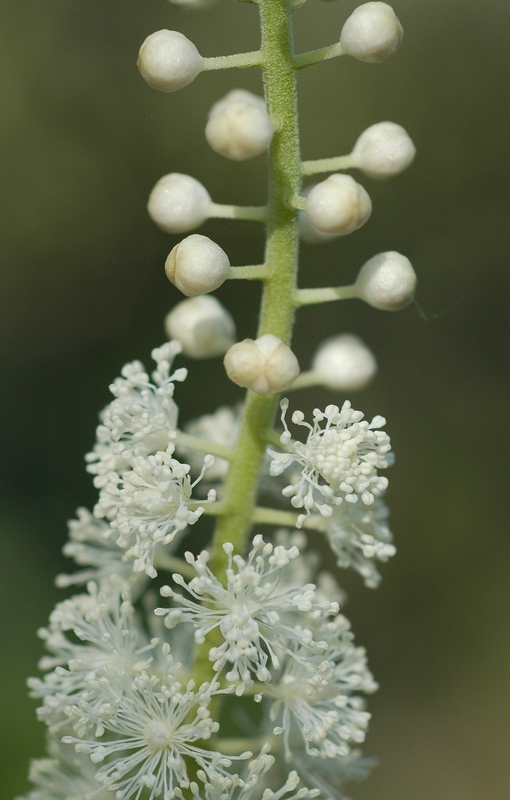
<point>178,203</point>
<point>309,233</point>
<point>344,363</point>
<point>169,61</point>
<point>197,265</point>
<point>265,365</point>
<point>384,150</point>
<point>238,126</point>
<point>372,33</point>
<point>338,205</point>
<point>203,326</point>
<point>387,281</point>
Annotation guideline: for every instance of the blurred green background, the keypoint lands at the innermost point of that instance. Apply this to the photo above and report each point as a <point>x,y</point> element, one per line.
<point>82,290</point>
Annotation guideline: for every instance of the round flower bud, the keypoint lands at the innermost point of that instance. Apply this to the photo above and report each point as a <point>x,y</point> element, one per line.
<point>203,326</point>
<point>384,150</point>
<point>197,265</point>
<point>387,281</point>
<point>372,33</point>
<point>178,203</point>
<point>265,365</point>
<point>169,61</point>
<point>344,363</point>
<point>238,126</point>
<point>338,205</point>
<point>309,233</point>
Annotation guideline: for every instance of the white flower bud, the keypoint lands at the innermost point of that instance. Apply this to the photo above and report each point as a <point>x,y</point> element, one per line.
<point>387,281</point>
<point>238,126</point>
<point>265,365</point>
<point>338,205</point>
<point>344,363</point>
<point>169,61</point>
<point>203,326</point>
<point>178,203</point>
<point>197,265</point>
<point>372,33</point>
<point>309,233</point>
<point>384,150</point>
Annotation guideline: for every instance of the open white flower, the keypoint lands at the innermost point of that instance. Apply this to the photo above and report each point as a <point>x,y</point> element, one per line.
<point>316,696</point>
<point>152,724</point>
<point>328,775</point>
<point>85,636</point>
<point>143,416</point>
<point>67,775</point>
<point>150,504</point>
<point>359,537</point>
<point>92,545</point>
<point>253,784</point>
<point>254,613</point>
<point>339,460</point>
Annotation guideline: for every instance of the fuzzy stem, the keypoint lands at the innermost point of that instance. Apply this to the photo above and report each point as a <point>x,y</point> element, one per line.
<point>327,165</point>
<point>315,56</point>
<point>278,299</point>
<point>202,445</point>
<point>326,294</point>
<point>249,213</point>
<point>251,59</point>
<point>250,273</point>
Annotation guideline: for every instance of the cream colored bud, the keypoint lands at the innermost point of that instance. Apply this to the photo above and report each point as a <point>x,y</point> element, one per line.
<point>372,33</point>
<point>178,203</point>
<point>265,365</point>
<point>338,205</point>
<point>202,325</point>
<point>309,233</point>
<point>344,363</point>
<point>238,126</point>
<point>384,150</point>
<point>197,265</point>
<point>169,61</point>
<point>387,281</point>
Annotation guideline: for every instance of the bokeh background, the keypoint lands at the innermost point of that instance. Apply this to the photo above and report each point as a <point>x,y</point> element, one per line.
<point>82,290</point>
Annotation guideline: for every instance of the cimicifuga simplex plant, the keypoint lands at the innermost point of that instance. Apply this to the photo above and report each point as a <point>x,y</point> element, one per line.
<point>230,673</point>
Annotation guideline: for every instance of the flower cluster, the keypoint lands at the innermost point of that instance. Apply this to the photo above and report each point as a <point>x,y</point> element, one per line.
<point>339,460</point>
<point>254,614</point>
<point>143,702</point>
<point>145,493</point>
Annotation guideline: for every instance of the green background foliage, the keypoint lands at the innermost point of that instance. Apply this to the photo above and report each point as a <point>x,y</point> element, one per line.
<point>82,290</point>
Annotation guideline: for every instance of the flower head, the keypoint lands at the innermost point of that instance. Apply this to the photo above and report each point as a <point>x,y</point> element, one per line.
<point>143,416</point>
<point>86,635</point>
<point>339,460</point>
<point>359,537</point>
<point>152,724</point>
<point>253,784</point>
<point>254,613</point>
<point>92,545</point>
<point>150,504</point>
<point>315,697</point>
<point>67,775</point>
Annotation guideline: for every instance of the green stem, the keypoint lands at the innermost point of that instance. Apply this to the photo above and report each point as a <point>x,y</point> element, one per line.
<point>202,445</point>
<point>327,165</point>
<point>326,294</point>
<point>315,56</point>
<point>278,298</point>
<point>251,59</point>
<point>249,213</point>
<point>251,273</point>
